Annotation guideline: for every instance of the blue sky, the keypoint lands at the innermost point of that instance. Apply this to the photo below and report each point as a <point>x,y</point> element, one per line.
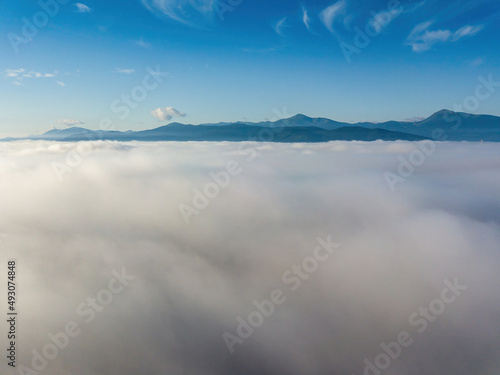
<point>197,61</point>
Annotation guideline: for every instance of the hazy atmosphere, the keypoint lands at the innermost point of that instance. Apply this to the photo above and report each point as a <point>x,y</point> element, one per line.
<point>244,187</point>
<point>393,252</point>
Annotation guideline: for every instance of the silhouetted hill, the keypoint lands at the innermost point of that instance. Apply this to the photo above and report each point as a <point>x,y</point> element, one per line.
<point>442,125</point>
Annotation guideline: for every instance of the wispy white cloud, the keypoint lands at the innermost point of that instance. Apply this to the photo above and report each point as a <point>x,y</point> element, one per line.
<point>124,71</point>
<point>466,31</point>
<point>280,25</point>
<point>422,38</point>
<point>411,6</point>
<point>419,29</point>
<point>477,62</point>
<point>197,14</point>
<point>414,119</point>
<point>142,43</point>
<point>306,19</point>
<point>328,15</point>
<point>259,50</point>
<point>12,73</point>
<point>166,114</point>
<point>70,122</point>
<point>18,75</point>
<point>434,36</point>
<point>33,74</point>
<point>381,19</point>
<point>62,84</point>
<point>82,8</point>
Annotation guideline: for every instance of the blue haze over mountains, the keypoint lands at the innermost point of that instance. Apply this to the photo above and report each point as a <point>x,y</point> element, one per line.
<point>442,125</point>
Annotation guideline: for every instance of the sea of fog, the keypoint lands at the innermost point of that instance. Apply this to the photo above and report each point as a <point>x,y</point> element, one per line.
<point>252,258</point>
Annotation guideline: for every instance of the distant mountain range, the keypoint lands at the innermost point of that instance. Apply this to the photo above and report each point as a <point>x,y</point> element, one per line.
<point>443,125</point>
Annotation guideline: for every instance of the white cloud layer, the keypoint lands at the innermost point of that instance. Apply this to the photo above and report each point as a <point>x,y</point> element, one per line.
<point>119,208</point>
<point>166,114</point>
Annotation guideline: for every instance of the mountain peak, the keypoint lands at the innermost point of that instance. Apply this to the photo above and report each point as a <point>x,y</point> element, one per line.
<point>302,128</point>
<point>300,116</point>
<point>444,111</point>
<point>71,130</point>
<point>440,115</point>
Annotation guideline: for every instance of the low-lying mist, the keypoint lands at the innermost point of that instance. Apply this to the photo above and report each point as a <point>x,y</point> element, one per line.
<point>252,258</point>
